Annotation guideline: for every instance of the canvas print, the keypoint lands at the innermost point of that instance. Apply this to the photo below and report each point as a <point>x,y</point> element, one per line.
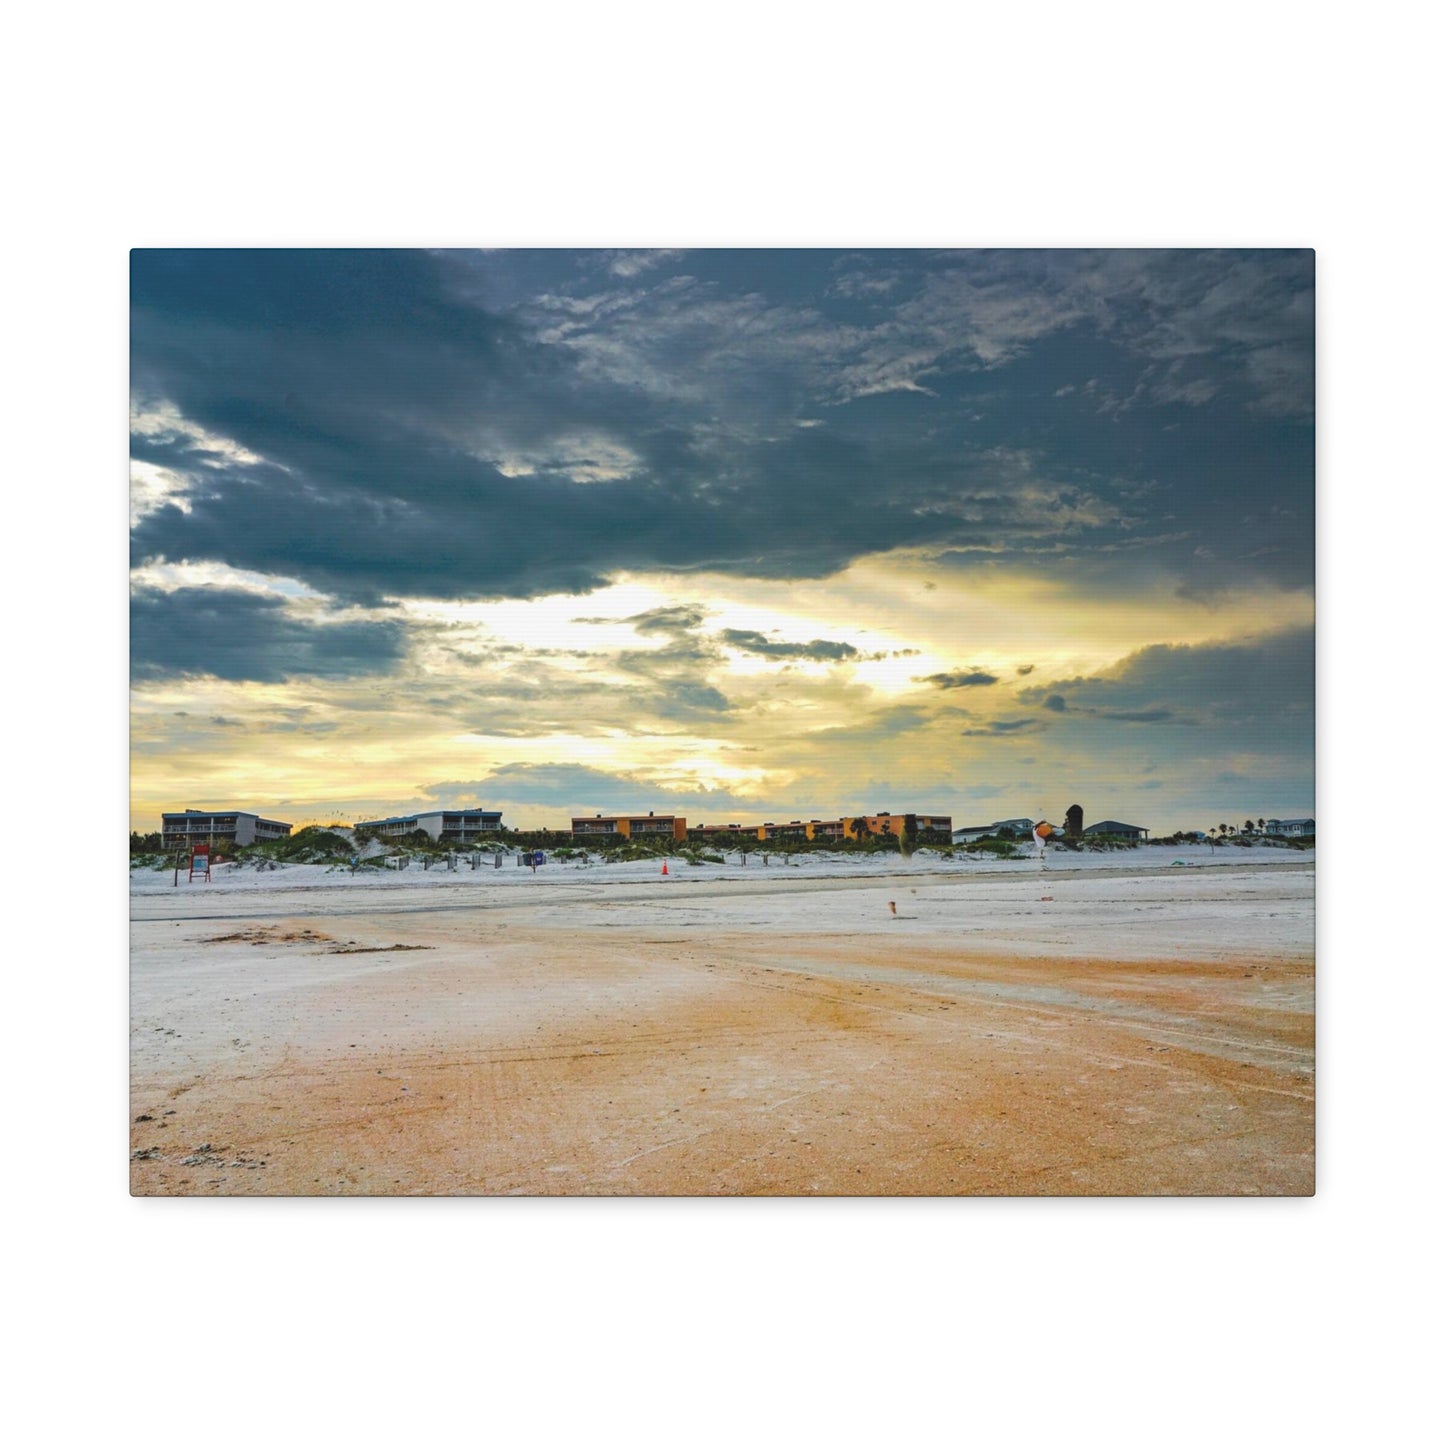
<point>651,722</point>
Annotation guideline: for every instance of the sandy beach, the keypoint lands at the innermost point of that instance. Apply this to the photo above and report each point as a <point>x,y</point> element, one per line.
<point>1106,1024</point>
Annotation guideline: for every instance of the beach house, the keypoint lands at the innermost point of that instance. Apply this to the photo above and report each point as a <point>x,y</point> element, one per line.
<point>1013,828</point>
<point>1109,828</point>
<point>1290,827</point>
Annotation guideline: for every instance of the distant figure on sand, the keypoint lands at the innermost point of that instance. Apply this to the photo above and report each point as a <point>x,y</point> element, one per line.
<point>1042,833</point>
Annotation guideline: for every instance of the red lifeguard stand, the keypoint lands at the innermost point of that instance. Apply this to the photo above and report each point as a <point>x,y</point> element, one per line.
<point>200,862</point>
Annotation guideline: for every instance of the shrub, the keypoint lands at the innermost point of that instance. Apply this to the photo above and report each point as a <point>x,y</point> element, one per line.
<point>310,845</point>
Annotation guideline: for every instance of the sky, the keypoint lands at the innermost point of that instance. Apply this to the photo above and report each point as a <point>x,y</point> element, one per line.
<point>747,535</point>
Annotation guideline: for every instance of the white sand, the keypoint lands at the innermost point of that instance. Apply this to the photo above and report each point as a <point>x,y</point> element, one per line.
<point>1146,902</point>
<point>605,1029</point>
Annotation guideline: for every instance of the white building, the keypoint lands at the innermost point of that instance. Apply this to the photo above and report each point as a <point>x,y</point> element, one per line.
<point>224,825</point>
<point>1290,827</point>
<point>449,825</point>
<point>1005,827</point>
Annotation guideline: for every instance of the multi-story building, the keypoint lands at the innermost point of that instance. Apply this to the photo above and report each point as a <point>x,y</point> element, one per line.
<point>448,825</point>
<point>915,825</point>
<point>721,832</point>
<point>223,825</point>
<point>795,832</point>
<point>836,830</point>
<point>932,825</point>
<point>630,825</point>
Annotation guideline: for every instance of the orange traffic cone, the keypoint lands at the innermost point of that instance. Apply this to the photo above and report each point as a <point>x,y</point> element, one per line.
<point>664,868</point>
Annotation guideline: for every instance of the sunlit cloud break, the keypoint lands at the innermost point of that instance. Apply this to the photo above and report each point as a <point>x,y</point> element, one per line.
<point>741,532</point>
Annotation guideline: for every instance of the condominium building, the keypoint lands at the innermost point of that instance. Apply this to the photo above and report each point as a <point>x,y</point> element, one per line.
<point>794,832</point>
<point>913,825</point>
<point>714,830</point>
<point>224,825</point>
<point>921,825</point>
<point>604,826</point>
<point>450,825</point>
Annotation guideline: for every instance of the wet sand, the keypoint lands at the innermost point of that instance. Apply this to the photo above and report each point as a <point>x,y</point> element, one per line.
<point>1044,1035</point>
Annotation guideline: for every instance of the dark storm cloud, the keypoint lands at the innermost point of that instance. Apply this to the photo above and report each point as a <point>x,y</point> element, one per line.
<point>672,681</point>
<point>281,721</point>
<point>1056,702</point>
<point>1261,688</point>
<point>973,677</point>
<point>669,621</point>
<point>818,650</point>
<point>245,637</point>
<point>688,701</point>
<point>513,423</point>
<point>1005,727</point>
<point>1147,715</point>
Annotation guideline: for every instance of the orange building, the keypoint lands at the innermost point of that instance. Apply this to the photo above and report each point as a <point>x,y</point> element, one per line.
<point>837,829</point>
<point>795,832</point>
<point>631,825</point>
<point>899,824</point>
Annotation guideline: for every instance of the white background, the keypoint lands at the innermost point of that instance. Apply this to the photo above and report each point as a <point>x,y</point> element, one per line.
<point>1114,124</point>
